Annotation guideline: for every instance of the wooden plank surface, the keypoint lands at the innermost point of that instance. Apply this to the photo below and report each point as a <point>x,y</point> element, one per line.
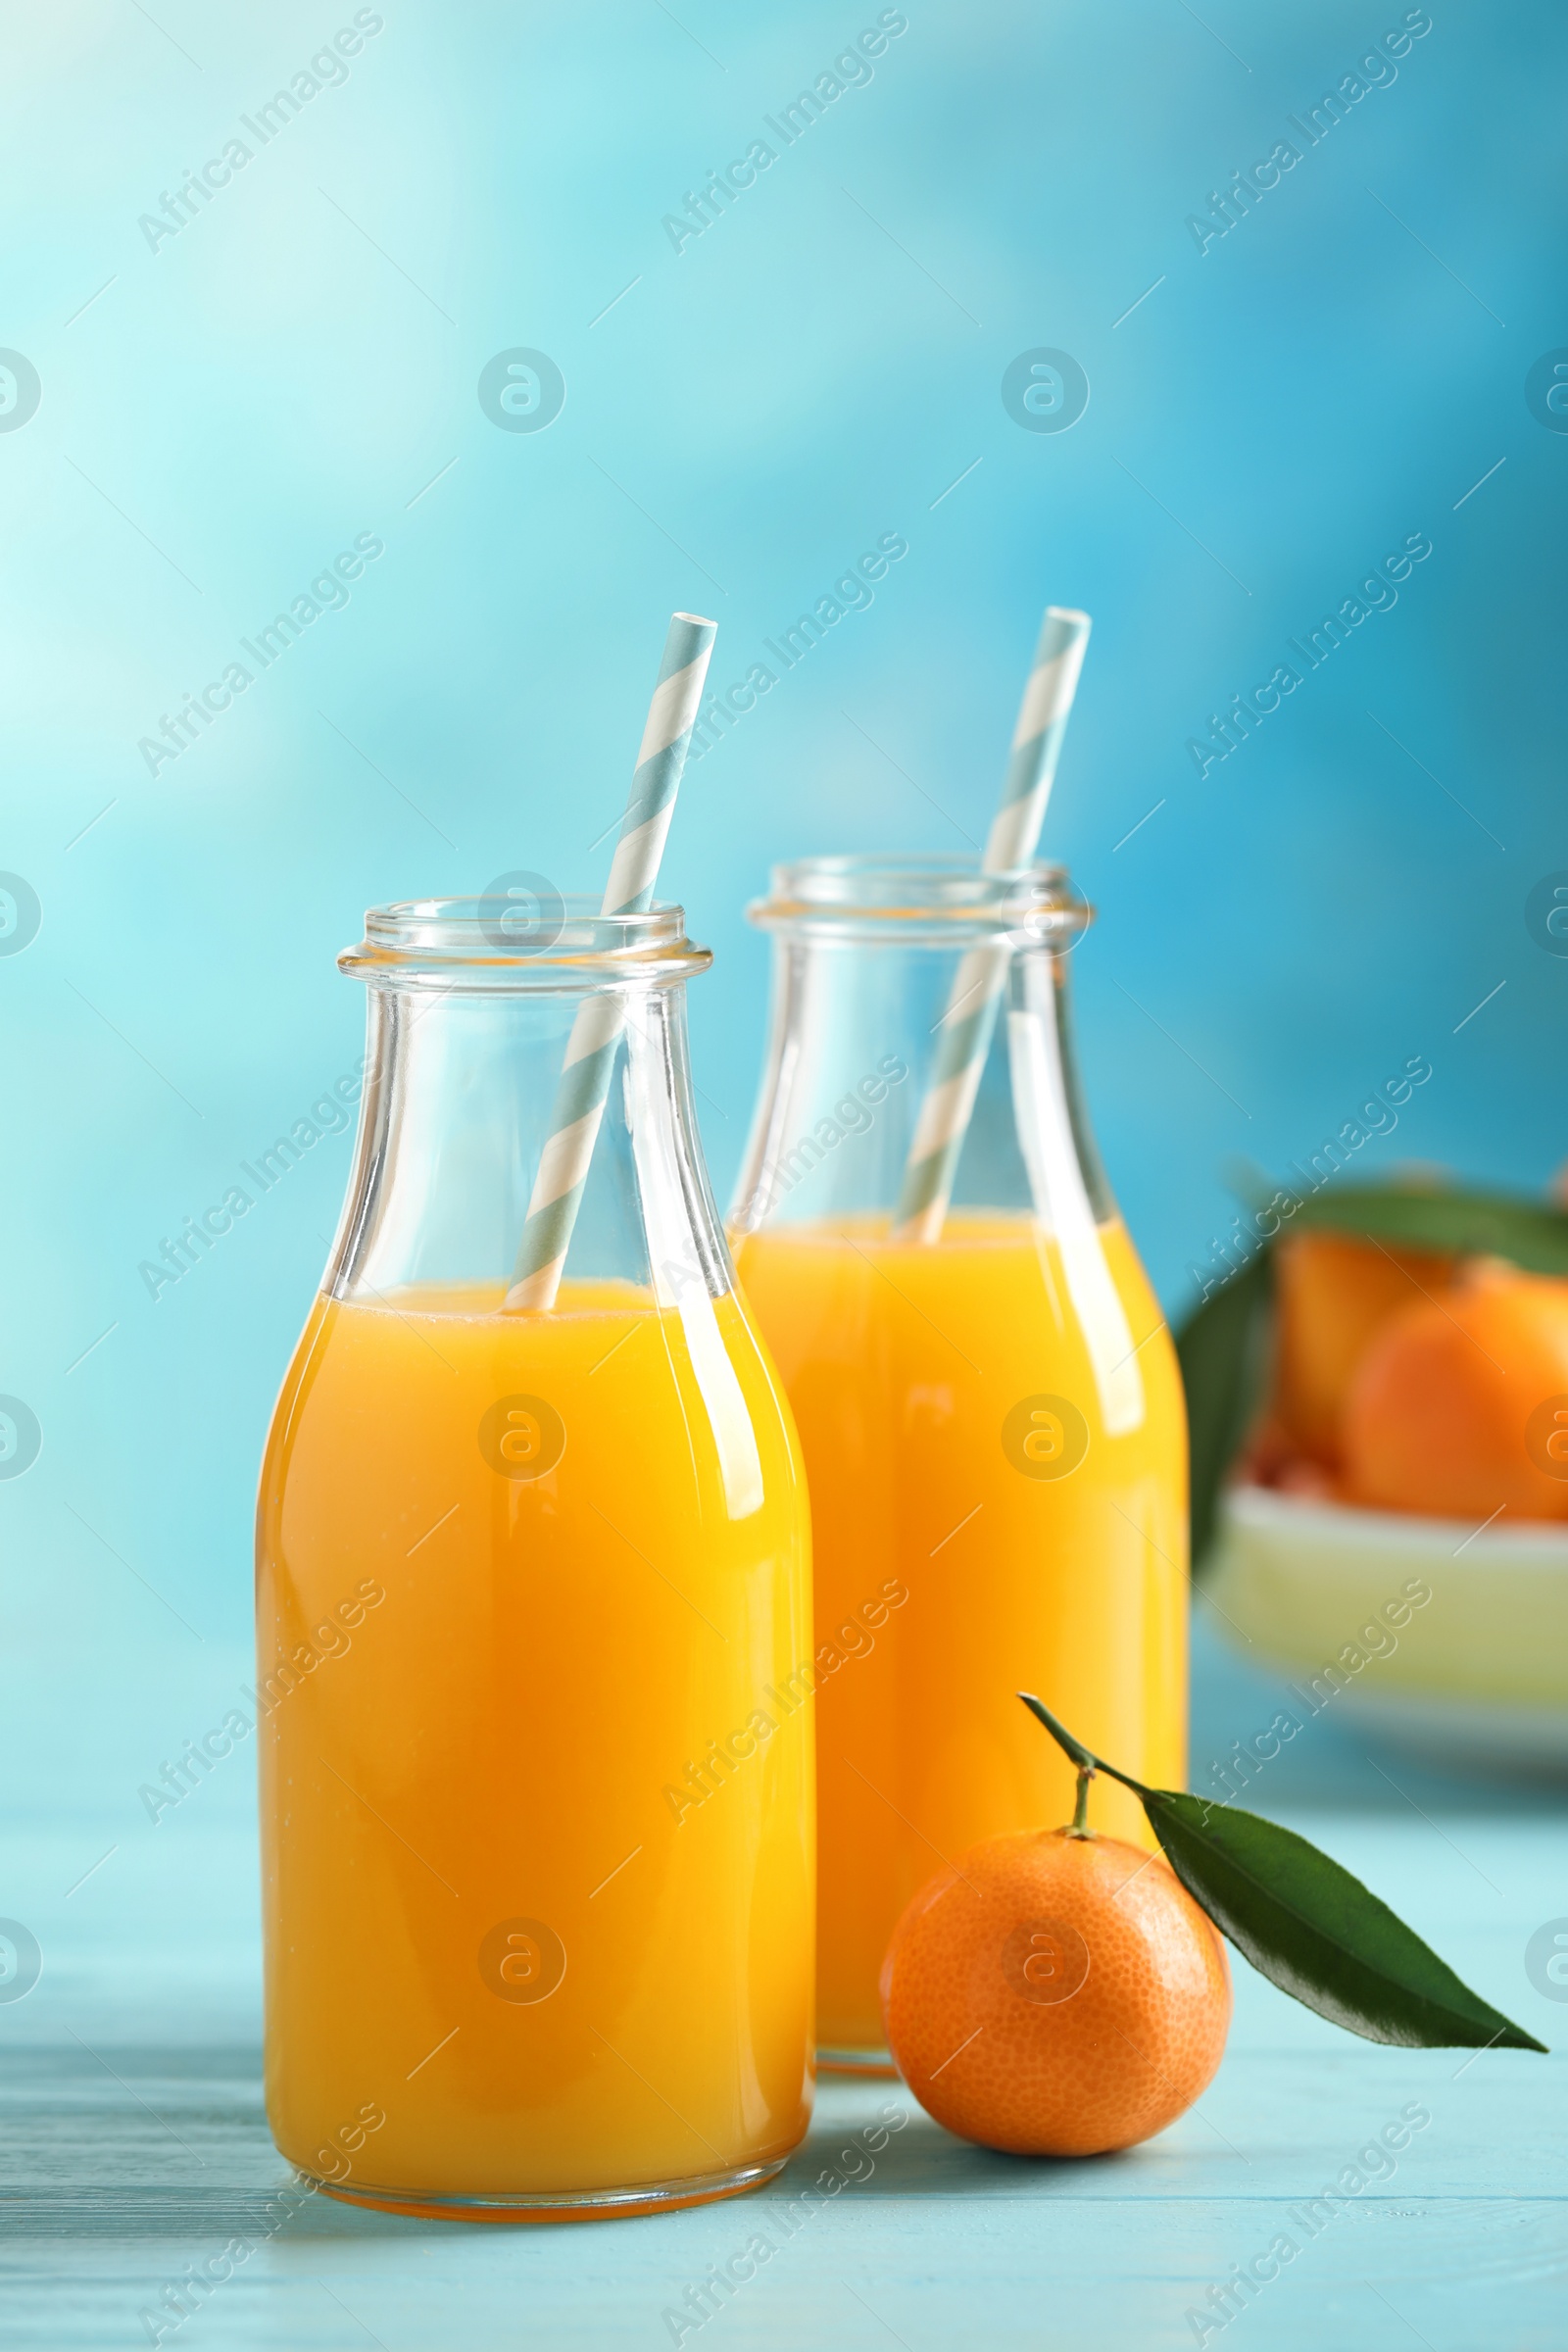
<point>117,2183</point>
<point>134,2144</point>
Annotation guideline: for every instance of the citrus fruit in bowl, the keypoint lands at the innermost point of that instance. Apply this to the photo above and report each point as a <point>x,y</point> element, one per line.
<point>1395,1529</point>
<point>1458,1404</point>
<point>1334,1295</point>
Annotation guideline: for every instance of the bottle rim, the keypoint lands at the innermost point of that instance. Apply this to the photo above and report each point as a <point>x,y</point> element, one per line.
<point>533,937</point>
<point>930,899</point>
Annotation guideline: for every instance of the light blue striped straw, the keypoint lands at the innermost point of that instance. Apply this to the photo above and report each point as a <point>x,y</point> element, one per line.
<point>584,1083</point>
<point>971,1015</point>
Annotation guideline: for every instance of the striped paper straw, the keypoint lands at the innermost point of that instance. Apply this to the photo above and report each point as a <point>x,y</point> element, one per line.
<point>584,1083</point>
<point>971,1013</point>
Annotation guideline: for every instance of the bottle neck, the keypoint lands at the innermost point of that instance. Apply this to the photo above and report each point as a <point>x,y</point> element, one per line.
<point>871,1032</point>
<point>461,1107</point>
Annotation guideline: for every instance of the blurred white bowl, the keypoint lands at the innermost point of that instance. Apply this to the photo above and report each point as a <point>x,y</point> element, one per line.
<point>1476,1674</point>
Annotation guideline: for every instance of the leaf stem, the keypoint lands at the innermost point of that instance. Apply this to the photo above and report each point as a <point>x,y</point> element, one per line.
<point>1079,1819</point>
<point>1075,1748</point>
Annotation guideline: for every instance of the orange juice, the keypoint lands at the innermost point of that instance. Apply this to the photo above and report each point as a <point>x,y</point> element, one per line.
<point>994,1441</point>
<point>537,1824</point>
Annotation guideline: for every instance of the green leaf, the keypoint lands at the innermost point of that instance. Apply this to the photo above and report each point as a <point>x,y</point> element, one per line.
<point>1223,1350</point>
<point>1318,1933</point>
<point>1469,1224</point>
<point>1305,1924</point>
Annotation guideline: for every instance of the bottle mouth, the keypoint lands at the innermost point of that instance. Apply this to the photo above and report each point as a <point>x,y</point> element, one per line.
<point>926,899</point>
<point>533,937</point>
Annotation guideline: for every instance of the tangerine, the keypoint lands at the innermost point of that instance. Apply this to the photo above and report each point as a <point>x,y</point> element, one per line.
<point>1055,1993</point>
<point>1460,1405</point>
<point>1335,1294</point>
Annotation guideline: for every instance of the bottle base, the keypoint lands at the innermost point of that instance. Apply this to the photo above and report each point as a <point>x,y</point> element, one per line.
<point>558,2205</point>
<point>867,2061</point>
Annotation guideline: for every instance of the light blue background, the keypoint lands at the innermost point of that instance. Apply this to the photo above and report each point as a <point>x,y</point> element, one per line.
<point>299,366</point>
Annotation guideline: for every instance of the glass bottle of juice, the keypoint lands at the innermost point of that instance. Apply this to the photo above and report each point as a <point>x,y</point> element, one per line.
<point>991,1421</point>
<point>533,1606</point>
